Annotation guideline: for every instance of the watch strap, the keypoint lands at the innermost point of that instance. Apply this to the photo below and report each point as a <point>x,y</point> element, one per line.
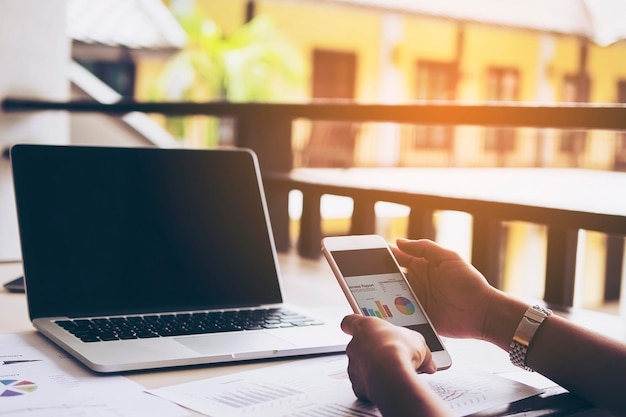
<point>532,319</point>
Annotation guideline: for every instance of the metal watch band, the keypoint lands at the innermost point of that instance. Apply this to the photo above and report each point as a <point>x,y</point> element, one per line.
<point>533,317</point>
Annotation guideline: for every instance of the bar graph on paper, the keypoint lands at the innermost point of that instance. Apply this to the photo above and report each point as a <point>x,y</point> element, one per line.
<point>241,398</point>
<point>253,394</point>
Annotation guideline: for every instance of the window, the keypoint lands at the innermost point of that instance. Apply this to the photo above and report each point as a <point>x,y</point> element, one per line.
<point>334,74</point>
<point>435,81</point>
<point>575,89</point>
<point>332,144</point>
<point>502,85</point>
<point>620,151</point>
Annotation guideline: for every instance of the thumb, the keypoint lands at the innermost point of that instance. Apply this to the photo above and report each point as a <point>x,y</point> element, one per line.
<point>348,322</point>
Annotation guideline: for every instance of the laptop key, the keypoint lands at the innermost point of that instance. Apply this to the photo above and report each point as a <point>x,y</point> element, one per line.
<point>182,324</point>
<point>89,339</point>
<point>146,335</point>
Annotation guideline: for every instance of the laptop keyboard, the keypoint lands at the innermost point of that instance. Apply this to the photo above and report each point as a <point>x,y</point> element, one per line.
<point>180,324</point>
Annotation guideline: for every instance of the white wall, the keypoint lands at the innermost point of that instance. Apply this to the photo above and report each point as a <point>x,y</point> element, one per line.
<point>34,54</point>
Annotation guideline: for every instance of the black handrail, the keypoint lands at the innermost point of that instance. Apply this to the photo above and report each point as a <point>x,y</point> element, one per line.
<point>564,116</point>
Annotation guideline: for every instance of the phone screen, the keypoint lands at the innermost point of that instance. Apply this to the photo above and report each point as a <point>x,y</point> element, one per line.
<point>380,290</point>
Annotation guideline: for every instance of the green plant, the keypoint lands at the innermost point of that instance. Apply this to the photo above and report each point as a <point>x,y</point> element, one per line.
<point>255,62</point>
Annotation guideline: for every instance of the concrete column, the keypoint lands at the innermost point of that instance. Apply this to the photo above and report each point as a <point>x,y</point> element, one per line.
<point>34,54</point>
<point>392,28</point>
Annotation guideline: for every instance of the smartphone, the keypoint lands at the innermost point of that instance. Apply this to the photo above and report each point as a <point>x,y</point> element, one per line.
<point>375,285</point>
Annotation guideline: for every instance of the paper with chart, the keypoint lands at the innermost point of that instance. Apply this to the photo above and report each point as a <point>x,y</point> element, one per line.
<point>38,379</point>
<point>320,387</point>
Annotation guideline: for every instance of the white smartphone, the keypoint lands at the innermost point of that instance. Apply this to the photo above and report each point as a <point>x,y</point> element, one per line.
<point>375,285</point>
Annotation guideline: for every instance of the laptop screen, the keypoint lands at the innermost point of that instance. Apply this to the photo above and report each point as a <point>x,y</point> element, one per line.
<point>108,231</point>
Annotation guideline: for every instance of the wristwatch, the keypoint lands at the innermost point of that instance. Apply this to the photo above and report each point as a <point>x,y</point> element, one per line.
<point>524,334</point>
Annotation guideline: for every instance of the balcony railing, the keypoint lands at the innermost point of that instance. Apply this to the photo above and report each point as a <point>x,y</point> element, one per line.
<point>268,129</point>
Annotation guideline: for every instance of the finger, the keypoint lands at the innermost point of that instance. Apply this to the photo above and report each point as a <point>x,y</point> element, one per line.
<point>410,262</point>
<point>422,356</point>
<point>428,365</point>
<point>347,324</point>
<point>424,248</point>
<point>403,258</point>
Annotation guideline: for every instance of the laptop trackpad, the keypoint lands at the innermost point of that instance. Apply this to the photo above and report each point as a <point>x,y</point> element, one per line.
<point>228,343</point>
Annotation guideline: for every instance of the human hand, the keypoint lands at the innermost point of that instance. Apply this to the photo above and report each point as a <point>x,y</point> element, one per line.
<point>455,295</point>
<point>380,352</point>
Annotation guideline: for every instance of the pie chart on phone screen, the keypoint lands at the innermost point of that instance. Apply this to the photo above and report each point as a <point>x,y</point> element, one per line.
<point>16,387</point>
<point>404,305</point>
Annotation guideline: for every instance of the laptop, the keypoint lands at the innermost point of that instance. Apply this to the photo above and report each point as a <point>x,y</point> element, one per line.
<point>139,258</point>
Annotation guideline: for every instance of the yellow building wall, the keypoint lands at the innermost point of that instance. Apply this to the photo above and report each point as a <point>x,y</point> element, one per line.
<point>313,26</point>
<point>424,39</point>
<point>607,66</point>
<point>229,15</point>
<point>433,39</point>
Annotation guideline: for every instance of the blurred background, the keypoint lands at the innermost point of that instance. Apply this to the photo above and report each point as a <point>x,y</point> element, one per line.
<point>557,52</point>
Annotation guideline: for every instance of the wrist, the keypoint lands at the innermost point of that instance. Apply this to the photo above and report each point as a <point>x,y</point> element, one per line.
<point>503,317</point>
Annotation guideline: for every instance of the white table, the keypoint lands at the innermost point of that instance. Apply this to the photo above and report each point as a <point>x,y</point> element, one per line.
<point>307,282</point>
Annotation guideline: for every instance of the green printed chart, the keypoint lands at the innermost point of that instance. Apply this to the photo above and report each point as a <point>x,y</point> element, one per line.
<point>16,387</point>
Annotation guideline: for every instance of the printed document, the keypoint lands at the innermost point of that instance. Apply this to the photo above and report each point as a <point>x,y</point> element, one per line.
<point>320,387</point>
<point>39,380</point>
